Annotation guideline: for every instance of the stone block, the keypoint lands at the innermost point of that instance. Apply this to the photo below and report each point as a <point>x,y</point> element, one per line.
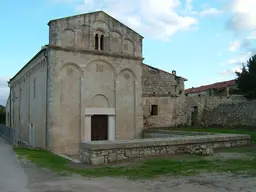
<point>112,157</point>
<point>97,160</point>
<point>121,157</point>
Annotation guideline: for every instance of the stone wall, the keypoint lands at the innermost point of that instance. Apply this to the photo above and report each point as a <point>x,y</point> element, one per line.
<point>208,103</point>
<point>79,32</point>
<point>231,114</point>
<point>166,91</point>
<point>160,83</point>
<point>104,152</point>
<point>161,133</point>
<point>28,100</point>
<point>171,111</point>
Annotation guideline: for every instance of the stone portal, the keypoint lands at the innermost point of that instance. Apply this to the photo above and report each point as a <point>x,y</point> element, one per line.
<point>100,124</point>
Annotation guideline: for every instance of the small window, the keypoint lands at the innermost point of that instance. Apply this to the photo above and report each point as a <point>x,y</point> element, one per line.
<point>34,88</point>
<point>154,109</point>
<point>101,42</point>
<point>96,41</point>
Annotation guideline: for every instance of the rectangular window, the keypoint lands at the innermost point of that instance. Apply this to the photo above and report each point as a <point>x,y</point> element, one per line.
<point>34,88</point>
<point>154,109</point>
<point>20,95</point>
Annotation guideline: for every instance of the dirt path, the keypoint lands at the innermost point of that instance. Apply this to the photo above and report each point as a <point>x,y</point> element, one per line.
<point>24,176</point>
<point>45,181</point>
<point>12,176</point>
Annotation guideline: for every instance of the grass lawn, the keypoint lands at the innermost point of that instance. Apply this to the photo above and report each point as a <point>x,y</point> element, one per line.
<point>147,168</point>
<point>221,130</point>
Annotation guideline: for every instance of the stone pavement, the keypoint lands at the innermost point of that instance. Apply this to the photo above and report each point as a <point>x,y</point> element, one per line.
<point>12,175</point>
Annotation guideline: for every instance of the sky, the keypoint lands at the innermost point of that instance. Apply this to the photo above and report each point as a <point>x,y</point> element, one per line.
<point>204,41</point>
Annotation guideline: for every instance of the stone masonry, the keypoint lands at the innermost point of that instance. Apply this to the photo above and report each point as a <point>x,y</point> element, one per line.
<point>91,68</point>
<point>231,114</point>
<point>166,91</point>
<point>104,152</point>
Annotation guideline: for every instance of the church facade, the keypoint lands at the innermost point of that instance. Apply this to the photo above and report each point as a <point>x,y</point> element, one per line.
<point>89,83</point>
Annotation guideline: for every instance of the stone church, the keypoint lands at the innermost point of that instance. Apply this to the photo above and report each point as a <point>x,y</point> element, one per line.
<point>89,83</point>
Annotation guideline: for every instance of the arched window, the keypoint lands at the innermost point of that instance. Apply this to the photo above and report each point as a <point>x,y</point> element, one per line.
<point>96,41</point>
<point>101,42</point>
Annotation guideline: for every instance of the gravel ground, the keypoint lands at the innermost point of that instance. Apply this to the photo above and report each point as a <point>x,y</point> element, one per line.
<point>41,180</point>
<point>24,176</point>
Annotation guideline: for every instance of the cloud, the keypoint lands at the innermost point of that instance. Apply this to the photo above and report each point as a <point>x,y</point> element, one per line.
<point>4,90</point>
<point>65,1</point>
<point>243,15</point>
<point>151,18</point>
<point>234,46</point>
<point>236,63</point>
<point>232,71</point>
<point>210,11</point>
<point>240,59</point>
<point>188,5</point>
<point>252,36</point>
<point>244,44</point>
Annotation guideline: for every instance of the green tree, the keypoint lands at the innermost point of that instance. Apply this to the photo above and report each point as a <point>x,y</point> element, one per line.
<point>246,79</point>
<point>2,116</point>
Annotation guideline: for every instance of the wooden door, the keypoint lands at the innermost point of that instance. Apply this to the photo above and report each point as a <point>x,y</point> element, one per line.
<point>99,127</point>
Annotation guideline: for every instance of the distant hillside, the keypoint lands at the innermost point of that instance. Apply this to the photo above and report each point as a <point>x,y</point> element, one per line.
<point>2,107</point>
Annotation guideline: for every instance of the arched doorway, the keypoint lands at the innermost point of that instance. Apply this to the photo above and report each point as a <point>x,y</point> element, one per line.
<point>99,127</point>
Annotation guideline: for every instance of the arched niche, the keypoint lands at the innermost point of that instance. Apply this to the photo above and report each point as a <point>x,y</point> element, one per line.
<point>128,47</point>
<point>83,38</point>
<point>99,78</point>
<point>67,38</point>
<point>100,101</point>
<point>115,42</point>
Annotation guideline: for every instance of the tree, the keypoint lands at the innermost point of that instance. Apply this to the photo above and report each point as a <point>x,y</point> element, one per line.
<point>246,79</point>
<point>2,115</point>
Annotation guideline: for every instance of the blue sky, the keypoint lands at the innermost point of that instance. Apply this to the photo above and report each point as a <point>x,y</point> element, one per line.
<point>204,41</point>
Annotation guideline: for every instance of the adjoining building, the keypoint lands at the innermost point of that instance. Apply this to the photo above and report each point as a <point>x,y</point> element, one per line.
<point>224,88</point>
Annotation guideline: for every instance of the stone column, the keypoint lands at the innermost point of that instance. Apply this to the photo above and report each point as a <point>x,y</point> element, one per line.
<point>111,128</point>
<point>135,109</point>
<point>227,91</point>
<point>87,128</point>
<point>99,42</point>
<point>117,134</point>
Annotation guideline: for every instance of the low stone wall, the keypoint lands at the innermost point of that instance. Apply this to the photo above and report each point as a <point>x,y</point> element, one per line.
<point>104,152</point>
<point>161,133</point>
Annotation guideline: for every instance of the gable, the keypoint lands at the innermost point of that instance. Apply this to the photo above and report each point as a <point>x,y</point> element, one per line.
<point>99,17</point>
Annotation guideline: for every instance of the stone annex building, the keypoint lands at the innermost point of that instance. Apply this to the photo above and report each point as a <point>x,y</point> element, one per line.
<point>90,83</point>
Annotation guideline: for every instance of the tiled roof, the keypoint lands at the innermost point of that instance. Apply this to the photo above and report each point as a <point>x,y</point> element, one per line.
<point>218,85</point>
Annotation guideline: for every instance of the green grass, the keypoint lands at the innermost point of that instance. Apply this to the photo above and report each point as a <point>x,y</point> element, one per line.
<point>43,158</point>
<point>144,168</point>
<point>221,130</point>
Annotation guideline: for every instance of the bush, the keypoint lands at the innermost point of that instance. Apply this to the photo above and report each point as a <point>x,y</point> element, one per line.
<point>2,117</point>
